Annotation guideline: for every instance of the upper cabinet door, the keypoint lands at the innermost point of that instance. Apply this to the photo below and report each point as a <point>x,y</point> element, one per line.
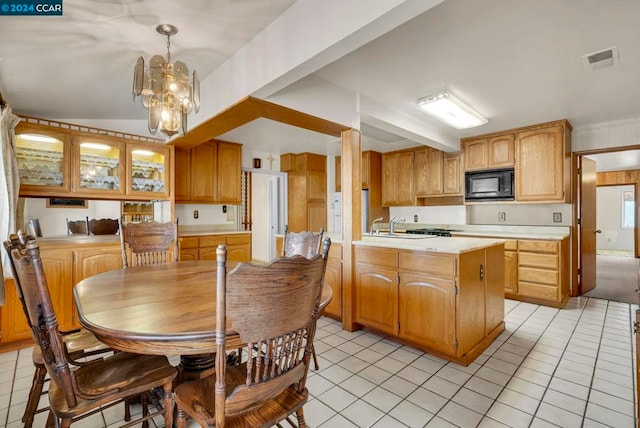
<point>204,162</point>
<point>229,173</point>
<point>98,165</point>
<point>476,154</point>
<point>540,174</point>
<point>501,151</point>
<point>148,170</point>
<point>44,160</point>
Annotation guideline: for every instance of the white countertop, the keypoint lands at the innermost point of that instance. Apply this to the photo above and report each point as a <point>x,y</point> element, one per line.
<point>495,231</point>
<point>434,244</point>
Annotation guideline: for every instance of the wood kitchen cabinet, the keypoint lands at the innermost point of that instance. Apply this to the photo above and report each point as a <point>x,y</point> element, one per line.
<point>209,173</point>
<point>543,156</point>
<point>203,247</point>
<point>398,178</point>
<point>370,170</point>
<point>333,278</point>
<point>543,272</point>
<point>510,268</point>
<point>66,262</point>
<point>489,153</point>
<point>66,160</point>
<point>436,173</point>
<point>307,190</point>
<point>447,304</point>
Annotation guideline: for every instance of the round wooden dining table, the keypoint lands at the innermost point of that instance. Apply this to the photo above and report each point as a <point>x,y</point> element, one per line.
<point>164,309</point>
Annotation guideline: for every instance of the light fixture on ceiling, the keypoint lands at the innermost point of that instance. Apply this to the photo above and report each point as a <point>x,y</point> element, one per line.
<point>445,107</point>
<point>165,90</point>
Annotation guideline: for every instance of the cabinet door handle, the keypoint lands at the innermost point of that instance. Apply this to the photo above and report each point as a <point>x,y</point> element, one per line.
<point>481,272</point>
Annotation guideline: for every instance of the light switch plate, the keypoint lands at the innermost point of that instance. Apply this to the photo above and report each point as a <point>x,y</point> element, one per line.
<point>557,217</point>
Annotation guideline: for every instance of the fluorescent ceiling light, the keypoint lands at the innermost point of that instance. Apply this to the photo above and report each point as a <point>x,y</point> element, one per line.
<point>142,152</point>
<point>450,110</point>
<point>96,146</point>
<point>38,138</point>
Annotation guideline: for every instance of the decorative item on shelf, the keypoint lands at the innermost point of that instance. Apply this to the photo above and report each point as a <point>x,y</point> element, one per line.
<point>165,90</point>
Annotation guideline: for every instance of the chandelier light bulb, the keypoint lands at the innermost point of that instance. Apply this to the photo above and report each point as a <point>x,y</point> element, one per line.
<point>165,88</point>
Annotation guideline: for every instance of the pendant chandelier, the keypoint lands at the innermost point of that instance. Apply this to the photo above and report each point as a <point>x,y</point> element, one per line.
<point>165,89</point>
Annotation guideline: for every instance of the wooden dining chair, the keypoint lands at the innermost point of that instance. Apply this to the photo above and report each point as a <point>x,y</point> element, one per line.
<point>273,309</point>
<point>77,227</point>
<point>79,344</point>
<point>78,391</point>
<point>103,226</point>
<point>148,243</point>
<point>306,244</point>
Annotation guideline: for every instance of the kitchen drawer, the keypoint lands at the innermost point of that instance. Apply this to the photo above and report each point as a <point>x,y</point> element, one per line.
<point>189,242</point>
<point>212,240</point>
<point>511,244</point>
<point>238,239</point>
<point>539,246</point>
<point>379,257</point>
<point>428,264</point>
<point>540,276</point>
<point>538,291</point>
<point>335,252</point>
<point>546,261</point>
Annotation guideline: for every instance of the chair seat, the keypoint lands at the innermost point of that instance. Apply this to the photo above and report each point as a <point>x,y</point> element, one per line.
<point>197,399</point>
<point>83,341</point>
<point>112,378</point>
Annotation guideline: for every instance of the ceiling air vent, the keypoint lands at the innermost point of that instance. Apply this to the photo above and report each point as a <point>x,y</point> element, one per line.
<point>601,59</point>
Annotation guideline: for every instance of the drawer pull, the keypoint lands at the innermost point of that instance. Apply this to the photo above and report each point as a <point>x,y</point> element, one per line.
<point>481,272</point>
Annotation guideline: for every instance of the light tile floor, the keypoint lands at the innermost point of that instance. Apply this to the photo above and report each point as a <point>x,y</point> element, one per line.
<point>569,368</point>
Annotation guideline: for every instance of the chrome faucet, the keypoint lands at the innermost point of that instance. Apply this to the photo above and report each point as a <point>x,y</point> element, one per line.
<point>394,222</point>
<point>373,224</point>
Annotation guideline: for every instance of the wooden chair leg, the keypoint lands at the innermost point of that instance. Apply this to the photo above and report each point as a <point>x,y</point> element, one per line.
<point>181,420</point>
<point>50,420</point>
<point>127,410</point>
<point>145,408</point>
<point>168,405</point>
<point>315,357</point>
<point>300,415</point>
<point>34,395</point>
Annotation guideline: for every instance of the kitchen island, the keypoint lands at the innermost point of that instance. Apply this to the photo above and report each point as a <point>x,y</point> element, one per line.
<point>442,295</point>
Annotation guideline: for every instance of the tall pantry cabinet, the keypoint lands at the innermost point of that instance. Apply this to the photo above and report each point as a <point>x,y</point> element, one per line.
<point>307,190</point>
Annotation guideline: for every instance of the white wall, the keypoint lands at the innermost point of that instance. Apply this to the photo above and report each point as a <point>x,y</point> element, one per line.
<point>454,214</point>
<point>519,214</point>
<point>609,219</point>
<point>53,220</point>
<point>207,214</point>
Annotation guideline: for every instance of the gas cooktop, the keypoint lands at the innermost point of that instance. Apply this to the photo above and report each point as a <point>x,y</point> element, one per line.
<point>433,231</point>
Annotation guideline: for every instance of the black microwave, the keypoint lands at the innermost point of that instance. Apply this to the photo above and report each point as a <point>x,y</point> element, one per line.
<point>489,185</point>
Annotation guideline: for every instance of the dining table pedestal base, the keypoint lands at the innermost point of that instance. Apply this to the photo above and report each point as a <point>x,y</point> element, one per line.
<point>193,367</point>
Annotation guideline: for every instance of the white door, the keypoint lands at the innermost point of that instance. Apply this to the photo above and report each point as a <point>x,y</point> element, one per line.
<point>268,213</point>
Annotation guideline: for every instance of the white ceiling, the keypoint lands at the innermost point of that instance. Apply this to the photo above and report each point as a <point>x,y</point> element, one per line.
<point>516,62</point>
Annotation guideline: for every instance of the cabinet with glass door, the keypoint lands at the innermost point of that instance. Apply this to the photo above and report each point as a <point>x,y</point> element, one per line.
<point>98,165</point>
<point>148,167</point>
<point>44,160</point>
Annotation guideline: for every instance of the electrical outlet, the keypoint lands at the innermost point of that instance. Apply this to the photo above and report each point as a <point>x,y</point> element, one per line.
<point>557,217</point>
<point>415,218</point>
<point>196,214</point>
<point>502,216</point>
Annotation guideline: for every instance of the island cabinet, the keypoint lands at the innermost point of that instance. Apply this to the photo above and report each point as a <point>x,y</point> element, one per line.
<point>451,305</point>
<point>65,160</point>
<point>203,247</point>
<point>66,261</point>
<point>209,173</point>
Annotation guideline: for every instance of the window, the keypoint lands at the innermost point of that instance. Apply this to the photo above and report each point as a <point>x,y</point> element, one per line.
<point>628,209</point>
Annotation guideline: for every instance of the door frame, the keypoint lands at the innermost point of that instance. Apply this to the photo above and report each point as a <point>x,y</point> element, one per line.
<point>575,245</point>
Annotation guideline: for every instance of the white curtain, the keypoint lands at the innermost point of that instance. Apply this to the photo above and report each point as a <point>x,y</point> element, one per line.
<point>9,185</point>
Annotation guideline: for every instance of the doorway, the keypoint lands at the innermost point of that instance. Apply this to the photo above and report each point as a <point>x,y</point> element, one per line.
<point>264,210</point>
<point>605,252</point>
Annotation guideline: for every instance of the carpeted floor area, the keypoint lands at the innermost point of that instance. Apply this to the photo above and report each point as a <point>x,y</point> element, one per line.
<point>616,279</point>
